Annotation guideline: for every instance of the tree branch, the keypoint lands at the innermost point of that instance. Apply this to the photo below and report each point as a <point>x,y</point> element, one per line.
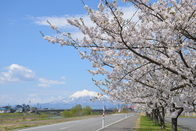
<point>182,58</point>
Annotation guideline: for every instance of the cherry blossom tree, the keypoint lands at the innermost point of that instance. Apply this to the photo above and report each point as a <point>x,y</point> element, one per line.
<point>154,54</point>
<point>154,94</point>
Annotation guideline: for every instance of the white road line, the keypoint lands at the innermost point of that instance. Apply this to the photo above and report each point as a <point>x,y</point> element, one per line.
<point>116,114</point>
<point>112,123</point>
<point>63,128</point>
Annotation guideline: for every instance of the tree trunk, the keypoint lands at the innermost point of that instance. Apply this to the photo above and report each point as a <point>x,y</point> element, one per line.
<point>174,124</point>
<point>163,122</point>
<point>175,120</point>
<point>155,118</point>
<point>152,115</point>
<point>158,117</point>
<point>162,117</point>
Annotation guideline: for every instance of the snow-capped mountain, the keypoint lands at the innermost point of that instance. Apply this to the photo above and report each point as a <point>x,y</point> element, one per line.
<point>84,93</point>
<point>84,98</point>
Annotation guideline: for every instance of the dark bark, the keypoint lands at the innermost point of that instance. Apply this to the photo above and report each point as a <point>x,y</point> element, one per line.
<point>163,117</point>
<point>156,116</point>
<point>161,114</point>
<point>174,124</point>
<point>175,120</point>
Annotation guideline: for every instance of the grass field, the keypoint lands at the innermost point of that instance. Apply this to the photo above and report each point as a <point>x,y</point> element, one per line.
<point>10,121</point>
<point>187,116</point>
<point>146,124</point>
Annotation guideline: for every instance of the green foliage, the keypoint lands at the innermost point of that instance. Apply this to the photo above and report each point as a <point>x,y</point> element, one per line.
<point>77,111</point>
<point>43,116</point>
<point>87,110</point>
<point>67,113</point>
<point>147,125</point>
<point>24,118</point>
<point>181,116</point>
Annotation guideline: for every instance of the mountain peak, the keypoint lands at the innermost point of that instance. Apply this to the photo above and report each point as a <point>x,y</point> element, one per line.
<point>84,93</point>
<point>84,98</point>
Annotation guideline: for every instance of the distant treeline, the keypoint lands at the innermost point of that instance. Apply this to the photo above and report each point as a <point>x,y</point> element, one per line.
<point>77,111</point>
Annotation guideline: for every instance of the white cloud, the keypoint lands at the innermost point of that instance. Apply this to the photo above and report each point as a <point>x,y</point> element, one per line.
<point>16,73</point>
<point>43,85</point>
<point>43,98</point>
<point>61,21</point>
<point>57,21</point>
<point>48,83</point>
<point>129,12</point>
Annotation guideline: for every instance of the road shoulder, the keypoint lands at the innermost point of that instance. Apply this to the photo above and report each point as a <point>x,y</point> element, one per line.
<point>128,124</point>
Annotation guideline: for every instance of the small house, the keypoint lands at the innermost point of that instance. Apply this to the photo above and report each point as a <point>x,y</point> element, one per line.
<point>2,110</point>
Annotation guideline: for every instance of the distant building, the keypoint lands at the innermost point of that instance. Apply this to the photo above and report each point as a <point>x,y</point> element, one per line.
<point>2,110</point>
<point>18,109</point>
<point>131,108</point>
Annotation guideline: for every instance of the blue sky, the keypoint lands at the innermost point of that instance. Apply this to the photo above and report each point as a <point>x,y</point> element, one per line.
<point>32,69</point>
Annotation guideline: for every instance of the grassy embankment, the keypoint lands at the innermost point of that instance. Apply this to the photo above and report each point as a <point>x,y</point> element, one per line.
<point>187,116</point>
<point>145,124</point>
<point>10,121</point>
<point>19,121</point>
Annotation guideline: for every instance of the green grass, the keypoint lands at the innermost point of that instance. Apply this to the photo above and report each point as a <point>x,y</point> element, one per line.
<point>147,125</point>
<point>20,121</point>
<point>187,116</point>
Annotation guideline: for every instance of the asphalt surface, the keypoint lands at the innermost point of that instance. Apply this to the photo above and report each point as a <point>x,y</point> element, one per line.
<point>127,124</point>
<point>123,122</point>
<point>187,124</point>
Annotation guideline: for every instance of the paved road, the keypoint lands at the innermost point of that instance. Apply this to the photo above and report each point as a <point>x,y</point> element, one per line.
<point>92,124</point>
<point>128,124</point>
<point>188,124</point>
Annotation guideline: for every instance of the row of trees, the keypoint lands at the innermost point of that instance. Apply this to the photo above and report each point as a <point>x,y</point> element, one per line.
<point>20,108</point>
<point>150,62</point>
<point>77,111</point>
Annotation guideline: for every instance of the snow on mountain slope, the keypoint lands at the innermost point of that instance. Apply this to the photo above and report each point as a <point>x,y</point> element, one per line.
<point>84,93</point>
<point>84,98</point>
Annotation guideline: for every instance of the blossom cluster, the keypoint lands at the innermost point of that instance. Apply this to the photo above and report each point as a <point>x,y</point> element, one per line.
<point>150,61</point>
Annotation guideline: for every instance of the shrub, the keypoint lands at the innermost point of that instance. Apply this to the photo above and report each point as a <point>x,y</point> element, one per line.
<point>77,111</point>
<point>67,113</point>
<point>87,110</point>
